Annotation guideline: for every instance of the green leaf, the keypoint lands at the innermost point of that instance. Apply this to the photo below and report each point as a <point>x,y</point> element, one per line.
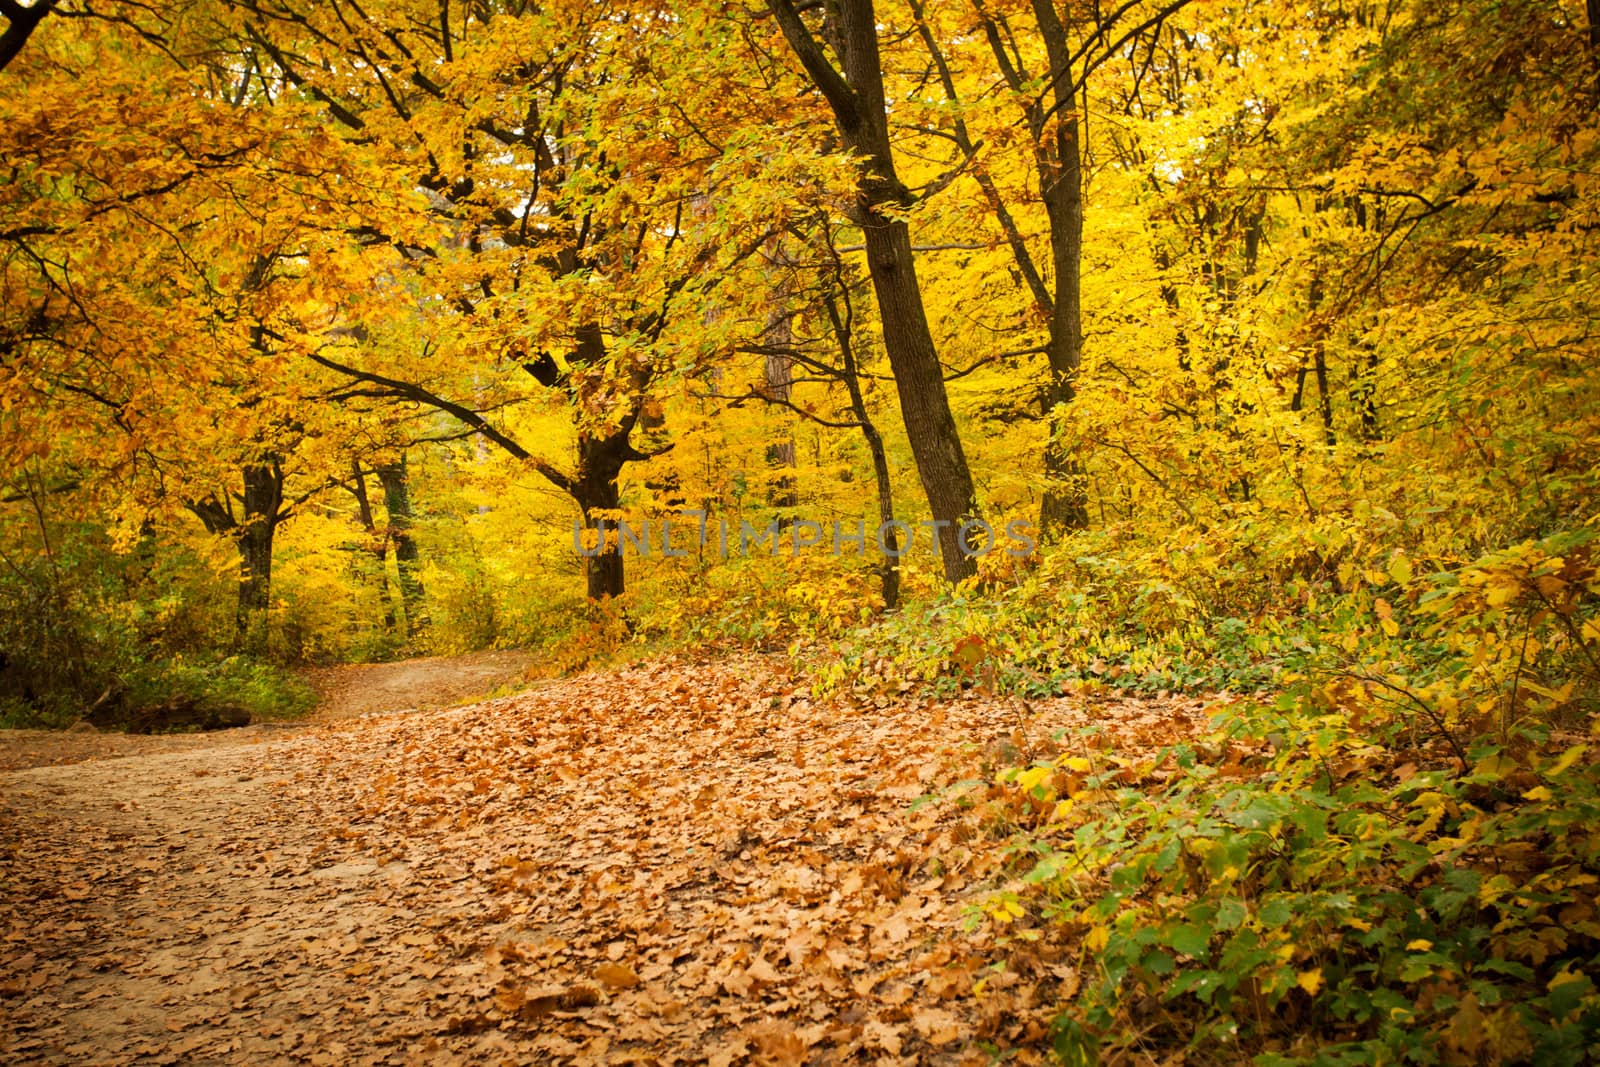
<point>1275,912</point>
<point>1192,941</point>
<point>1231,912</point>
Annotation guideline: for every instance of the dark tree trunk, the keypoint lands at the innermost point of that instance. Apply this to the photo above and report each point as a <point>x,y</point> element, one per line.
<point>397,501</point>
<point>263,503</point>
<point>1059,159</point>
<point>252,534</point>
<point>603,576</point>
<point>600,463</point>
<point>857,100</point>
<point>1319,363</point>
<point>930,426</point>
<point>1364,396</point>
<point>601,457</point>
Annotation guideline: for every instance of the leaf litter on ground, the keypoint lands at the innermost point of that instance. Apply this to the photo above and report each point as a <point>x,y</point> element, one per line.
<point>679,862</point>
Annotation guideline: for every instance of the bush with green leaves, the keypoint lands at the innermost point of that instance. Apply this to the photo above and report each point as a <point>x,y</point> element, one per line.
<point>1396,861</point>
<point>1102,608</point>
<point>83,626</point>
<point>264,690</point>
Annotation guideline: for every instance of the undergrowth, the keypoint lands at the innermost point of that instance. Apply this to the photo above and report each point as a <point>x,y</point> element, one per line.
<point>1112,608</point>
<point>88,631</point>
<point>1392,859</point>
<point>264,690</point>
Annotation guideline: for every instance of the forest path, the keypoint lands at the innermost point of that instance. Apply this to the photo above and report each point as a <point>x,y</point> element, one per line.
<point>344,692</point>
<point>673,863</point>
<point>416,684</point>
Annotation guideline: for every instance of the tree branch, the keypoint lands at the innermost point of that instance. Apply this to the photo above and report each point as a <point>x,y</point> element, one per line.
<point>417,394</point>
<point>20,24</point>
<point>841,98</point>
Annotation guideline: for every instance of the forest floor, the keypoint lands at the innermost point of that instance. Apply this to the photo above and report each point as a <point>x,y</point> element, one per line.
<point>678,862</point>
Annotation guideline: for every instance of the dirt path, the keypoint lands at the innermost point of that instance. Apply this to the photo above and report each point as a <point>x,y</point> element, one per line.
<point>178,911</point>
<point>677,863</point>
<point>419,684</point>
<point>344,692</point>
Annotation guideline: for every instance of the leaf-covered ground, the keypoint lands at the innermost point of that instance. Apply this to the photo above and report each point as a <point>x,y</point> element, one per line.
<point>675,863</point>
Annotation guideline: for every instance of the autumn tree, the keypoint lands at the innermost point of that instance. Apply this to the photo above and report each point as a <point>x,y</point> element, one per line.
<point>1039,60</point>
<point>852,84</point>
<point>562,164</point>
<point>152,257</point>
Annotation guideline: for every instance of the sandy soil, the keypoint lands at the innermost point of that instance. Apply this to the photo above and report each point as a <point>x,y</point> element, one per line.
<point>159,885</point>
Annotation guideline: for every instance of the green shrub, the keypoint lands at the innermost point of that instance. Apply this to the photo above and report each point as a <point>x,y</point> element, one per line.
<point>265,690</point>
<point>1396,861</point>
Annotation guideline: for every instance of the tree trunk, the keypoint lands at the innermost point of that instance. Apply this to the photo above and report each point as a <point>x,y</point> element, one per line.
<point>594,486</point>
<point>397,501</point>
<point>857,101</point>
<point>779,375</point>
<point>919,380</point>
<point>1319,361</point>
<point>1066,498</point>
<point>601,457</point>
<point>890,569</point>
<point>252,536</point>
<point>1364,396</point>
<point>255,583</point>
<point>596,490</point>
<point>780,385</point>
<point>263,500</point>
<point>600,463</point>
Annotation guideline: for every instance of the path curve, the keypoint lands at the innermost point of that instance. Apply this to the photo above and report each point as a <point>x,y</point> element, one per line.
<point>675,863</point>
<point>417,684</point>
